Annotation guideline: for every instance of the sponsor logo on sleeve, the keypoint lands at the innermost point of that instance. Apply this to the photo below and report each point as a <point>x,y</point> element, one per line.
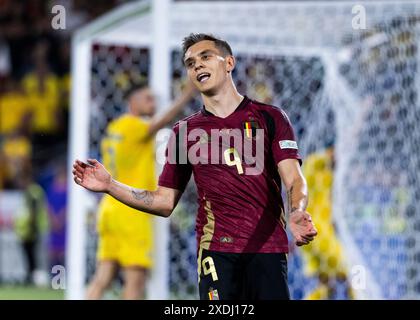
<point>288,144</point>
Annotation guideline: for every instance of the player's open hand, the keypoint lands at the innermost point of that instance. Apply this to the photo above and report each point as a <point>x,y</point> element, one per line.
<point>302,227</point>
<point>91,175</point>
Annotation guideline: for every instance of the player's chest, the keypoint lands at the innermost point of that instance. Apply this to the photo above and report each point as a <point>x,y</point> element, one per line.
<point>237,143</point>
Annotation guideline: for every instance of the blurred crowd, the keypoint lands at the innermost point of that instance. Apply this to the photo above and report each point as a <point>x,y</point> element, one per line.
<point>34,106</point>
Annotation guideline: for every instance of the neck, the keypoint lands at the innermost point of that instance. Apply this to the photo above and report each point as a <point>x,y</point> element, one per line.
<point>131,112</point>
<point>224,102</point>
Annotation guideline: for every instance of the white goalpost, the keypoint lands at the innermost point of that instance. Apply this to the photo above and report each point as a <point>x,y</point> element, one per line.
<point>356,87</point>
<point>103,30</point>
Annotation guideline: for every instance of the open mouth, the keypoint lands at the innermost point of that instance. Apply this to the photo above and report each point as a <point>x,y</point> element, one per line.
<point>202,77</point>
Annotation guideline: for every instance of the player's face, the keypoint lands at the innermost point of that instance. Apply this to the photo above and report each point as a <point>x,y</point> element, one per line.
<point>143,102</point>
<point>206,67</point>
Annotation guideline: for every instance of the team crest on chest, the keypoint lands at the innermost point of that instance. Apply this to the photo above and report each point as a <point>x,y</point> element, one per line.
<point>250,128</point>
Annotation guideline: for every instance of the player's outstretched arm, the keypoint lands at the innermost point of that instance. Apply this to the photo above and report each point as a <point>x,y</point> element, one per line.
<point>300,221</point>
<point>94,177</point>
<point>160,121</point>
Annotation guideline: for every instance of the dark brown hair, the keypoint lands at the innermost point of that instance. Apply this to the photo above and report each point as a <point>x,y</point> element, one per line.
<point>133,87</point>
<point>194,38</point>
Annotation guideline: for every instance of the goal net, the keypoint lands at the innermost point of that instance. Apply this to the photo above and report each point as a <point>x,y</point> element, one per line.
<point>346,75</point>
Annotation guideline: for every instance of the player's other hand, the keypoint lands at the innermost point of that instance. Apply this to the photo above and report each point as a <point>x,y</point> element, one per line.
<point>91,175</point>
<point>302,227</point>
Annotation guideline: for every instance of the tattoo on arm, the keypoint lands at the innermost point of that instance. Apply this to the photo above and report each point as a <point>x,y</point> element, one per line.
<point>145,196</point>
<point>289,198</point>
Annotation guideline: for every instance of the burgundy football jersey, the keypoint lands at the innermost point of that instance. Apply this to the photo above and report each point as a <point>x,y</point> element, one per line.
<point>234,163</point>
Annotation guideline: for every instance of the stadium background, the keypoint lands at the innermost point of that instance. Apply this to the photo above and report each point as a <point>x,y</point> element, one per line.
<point>346,90</point>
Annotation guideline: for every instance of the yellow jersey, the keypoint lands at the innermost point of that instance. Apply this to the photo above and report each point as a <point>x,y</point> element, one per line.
<point>129,155</point>
<point>44,105</point>
<point>126,234</point>
<point>13,107</point>
<point>17,152</point>
<point>325,253</point>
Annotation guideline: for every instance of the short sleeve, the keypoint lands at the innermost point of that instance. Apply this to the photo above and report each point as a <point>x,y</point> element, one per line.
<point>177,170</point>
<point>284,144</point>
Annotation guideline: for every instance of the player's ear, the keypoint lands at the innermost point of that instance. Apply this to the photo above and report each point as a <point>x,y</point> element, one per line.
<point>230,63</point>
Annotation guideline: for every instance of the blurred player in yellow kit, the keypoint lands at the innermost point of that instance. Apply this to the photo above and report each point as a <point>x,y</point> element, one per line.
<point>125,234</point>
<point>323,258</point>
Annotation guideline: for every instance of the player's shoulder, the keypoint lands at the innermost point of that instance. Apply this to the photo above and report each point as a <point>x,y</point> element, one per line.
<point>118,120</point>
<point>269,109</point>
<point>187,120</point>
<point>126,120</point>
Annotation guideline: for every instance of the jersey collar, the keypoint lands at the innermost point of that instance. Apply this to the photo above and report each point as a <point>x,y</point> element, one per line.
<point>241,105</point>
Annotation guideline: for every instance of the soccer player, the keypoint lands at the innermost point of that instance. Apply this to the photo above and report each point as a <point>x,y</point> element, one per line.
<point>325,257</point>
<point>241,237</point>
<point>125,234</point>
